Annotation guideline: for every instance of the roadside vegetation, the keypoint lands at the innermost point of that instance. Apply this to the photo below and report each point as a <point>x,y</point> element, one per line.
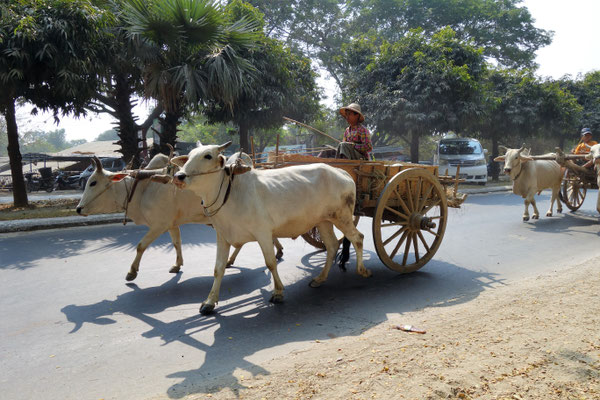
<point>39,209</point>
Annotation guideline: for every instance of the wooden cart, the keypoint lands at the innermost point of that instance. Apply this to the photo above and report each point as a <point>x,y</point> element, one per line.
<point>408,204</point>
<point>576,180</point>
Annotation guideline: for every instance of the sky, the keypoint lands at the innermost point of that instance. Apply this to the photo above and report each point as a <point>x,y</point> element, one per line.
<point>575,49</point>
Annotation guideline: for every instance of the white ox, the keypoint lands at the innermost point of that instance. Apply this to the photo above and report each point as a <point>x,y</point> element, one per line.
<point>531,176</point>
<point>594,155</point>
<point>263,204</point>
<point>160,207</point>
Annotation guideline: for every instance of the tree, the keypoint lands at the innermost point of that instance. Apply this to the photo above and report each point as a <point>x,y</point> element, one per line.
<point>559,113</point>
<point>189,54</point>
<point>504,30</point>
<point>511,109</point>
<point>284,85</point>
<point>47,57</point>
<point>586,90</point>
<point>419,85</point>
<point>108,135</point>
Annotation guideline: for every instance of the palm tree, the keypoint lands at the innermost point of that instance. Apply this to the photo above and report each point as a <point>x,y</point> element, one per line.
<point>189,53</point>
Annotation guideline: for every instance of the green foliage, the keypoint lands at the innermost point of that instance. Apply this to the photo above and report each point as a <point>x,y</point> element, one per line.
<point>419,84</point>
<point>586,90</point>
<point>196,128</point>
<point>109,135</point>
<point>190,50</point>
<point>283,85</point>
<point>503,29</point>
<point>48,53</point>
<point>38,141</point>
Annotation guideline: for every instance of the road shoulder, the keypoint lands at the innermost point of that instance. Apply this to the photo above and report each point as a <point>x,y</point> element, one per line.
<point>533,339</point>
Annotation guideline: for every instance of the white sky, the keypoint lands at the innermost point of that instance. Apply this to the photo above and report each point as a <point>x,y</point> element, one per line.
<point>575,49</point>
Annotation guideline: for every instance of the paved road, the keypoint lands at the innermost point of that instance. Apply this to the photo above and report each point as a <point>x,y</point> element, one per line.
<point>73,329</point>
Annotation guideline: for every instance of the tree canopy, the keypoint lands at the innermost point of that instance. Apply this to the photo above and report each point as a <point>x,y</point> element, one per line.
<point>48,57</point>
<point>418,85</point>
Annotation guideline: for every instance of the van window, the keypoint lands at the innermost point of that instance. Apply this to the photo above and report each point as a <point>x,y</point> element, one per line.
<point>455,147</point>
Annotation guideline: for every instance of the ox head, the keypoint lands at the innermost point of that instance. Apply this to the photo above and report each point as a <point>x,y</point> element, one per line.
<point>202,161</point>
<point>96,197</point>
<point>514,160</point>
<point>594,155</point>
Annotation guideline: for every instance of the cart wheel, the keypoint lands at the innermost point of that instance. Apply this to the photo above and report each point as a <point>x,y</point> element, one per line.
<point>313,237</point>
<point>573,191</point>
<point>410,220</point>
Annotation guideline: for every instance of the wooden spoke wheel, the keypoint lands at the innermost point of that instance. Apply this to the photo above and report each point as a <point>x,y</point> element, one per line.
<point>313,237</point>
<point>572,191</point>
<point>410,220</point>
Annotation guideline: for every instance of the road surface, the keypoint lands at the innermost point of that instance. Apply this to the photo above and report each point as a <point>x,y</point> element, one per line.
<point>74,329</point>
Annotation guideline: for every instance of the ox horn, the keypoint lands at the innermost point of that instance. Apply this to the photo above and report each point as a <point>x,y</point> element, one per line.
<point>224,146</point>
<point>522,148</point>
<point>171,151</point>
<point>98,163</point>
<point>503,148</point>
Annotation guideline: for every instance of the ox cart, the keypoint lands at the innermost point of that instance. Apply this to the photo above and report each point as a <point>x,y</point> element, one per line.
<point>576,179</point>
<point>408,203</point>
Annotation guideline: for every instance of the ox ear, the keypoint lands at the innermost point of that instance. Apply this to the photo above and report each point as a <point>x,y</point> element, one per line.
<point>179,161</point>
<point>119,176</point>
<point>589,156</point>
<point>222,160</point>
<point>500,158</point>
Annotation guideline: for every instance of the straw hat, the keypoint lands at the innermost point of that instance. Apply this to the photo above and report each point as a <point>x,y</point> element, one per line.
<point>353,107</point>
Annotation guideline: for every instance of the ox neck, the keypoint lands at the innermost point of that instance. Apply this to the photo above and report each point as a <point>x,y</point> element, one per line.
<point>222,186</point>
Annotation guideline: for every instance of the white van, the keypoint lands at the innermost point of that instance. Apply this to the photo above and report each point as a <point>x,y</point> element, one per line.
<point>453,151</point>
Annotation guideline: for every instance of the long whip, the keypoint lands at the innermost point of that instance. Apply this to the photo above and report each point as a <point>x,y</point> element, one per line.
<point>311,128</point>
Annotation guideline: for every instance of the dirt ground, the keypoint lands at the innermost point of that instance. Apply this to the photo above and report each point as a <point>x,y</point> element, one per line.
<point>534,339</point>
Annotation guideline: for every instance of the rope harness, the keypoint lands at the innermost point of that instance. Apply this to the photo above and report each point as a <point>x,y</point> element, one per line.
<point>229,176</point>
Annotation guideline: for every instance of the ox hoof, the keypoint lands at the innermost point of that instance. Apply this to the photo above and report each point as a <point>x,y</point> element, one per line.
<point>175,269</point>
<point>276,299</point>
<point>525,219</point>
<point>548,214</point>
<point>535,217</point>
<point>207,309</point>
<point>279,254</point>
<point>315,284</point>
<point>130,276</point>
<point>365,273</point>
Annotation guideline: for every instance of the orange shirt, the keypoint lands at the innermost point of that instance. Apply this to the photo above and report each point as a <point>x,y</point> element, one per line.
<point>584,148</point>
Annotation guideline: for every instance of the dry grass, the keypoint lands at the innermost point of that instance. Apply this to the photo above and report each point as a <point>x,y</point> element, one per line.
<point>39,209</point>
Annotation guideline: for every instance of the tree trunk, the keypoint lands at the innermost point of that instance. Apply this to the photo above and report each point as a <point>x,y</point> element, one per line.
<point>14,154</point>
<point>169,133</point>
<point>414,146</point>
<point>244,139</point>
<point>127,127</point>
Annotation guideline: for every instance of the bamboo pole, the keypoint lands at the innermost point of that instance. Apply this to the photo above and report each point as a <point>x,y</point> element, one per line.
<point>311,128</point>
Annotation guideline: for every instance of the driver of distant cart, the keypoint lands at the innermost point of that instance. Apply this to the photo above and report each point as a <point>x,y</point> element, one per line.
<point>355,133</point>
<point>585,144</point>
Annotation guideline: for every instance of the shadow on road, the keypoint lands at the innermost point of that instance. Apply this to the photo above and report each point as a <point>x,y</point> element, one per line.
<point>71,243</point>
<point>344,306</point>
